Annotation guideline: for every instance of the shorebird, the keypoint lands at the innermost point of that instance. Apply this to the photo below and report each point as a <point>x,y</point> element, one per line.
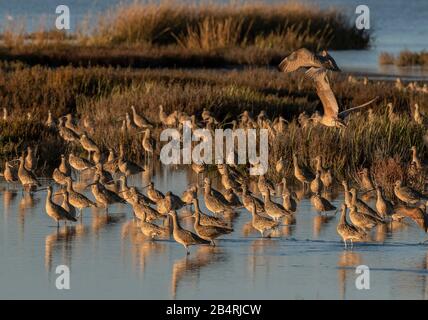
<point>321,204</point>
<point>59,177</point>
<point>273,209</point>
<point>348,231</point>
<point>112,164</point>
<point>417,214</point>
<point>139,120</point>
<point>302,173</point>
<point>417,115</point>
<point>198,169</point>
<point>383,206</point>
<point>262,224</point>
<point>248,199</point>
<point>303,58</point>
<point>124,191</point>
<point>77,199</point>
<point>265,186</point>
<point>167,120</point>
<point>232,198</point>
<point>362,206</point>
<point>316,185</point>
<point>153,194</point>
<point>280,165</point>
<point>69,123</point>
<point>215,203</point>
<point>129,125</point>
<point>317,66</point>
<point>64,167</point>
<point>184,237</point>
<point>208,232</point>
<point>67,206</point>
<point>129,168</point>
<point>176,203</point>
<point>9,173</point>
<point>148,144</point>
<point>416,162</point>
<point>206,114</point>
<point>141,210</point>
<point>407,194</point>
<point>347,194</point>
<point>88,144</point>
<point>151,230</point>
<point>30,162</point>
<point>50,123</point>
<point>104,197</point>
<point>228,182</point>
<point>288,201</point>
<point>78,163</point>
<point>189,194</point>
<point>326,176</point>
<point>55,211</point>
<point>366,180</point>
<point>207,220</point>
<point>362,220</point>
<point>26,177</point>
<point>141,198</point>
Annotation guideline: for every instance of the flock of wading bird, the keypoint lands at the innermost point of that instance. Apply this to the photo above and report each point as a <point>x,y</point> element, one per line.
<point>267,215</point>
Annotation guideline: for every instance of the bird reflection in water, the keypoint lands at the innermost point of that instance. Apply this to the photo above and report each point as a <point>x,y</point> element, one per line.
<point>319,221</point>
<point>58,244</point>
<point>348,261</point>
<point>191,266</point>
<point>8,198</point>
<point>258,256</point>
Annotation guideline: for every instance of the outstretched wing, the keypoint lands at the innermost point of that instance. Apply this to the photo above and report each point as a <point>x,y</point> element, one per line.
<point>301,58</point>
<point>344,113</point>
<point>326,95</point>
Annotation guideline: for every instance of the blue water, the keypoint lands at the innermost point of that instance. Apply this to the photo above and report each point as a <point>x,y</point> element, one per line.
<point>396,25</point>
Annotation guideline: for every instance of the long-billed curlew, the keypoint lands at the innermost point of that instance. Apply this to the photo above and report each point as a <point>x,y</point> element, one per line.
<point>347,194</point>
<point>207,220</point>
<point>273,209</point>
<point>232,198</point>
<point>303,58</point>
<point>184,237</point>
<point>10,174</point>
<point>67,206</point>
<point>316,185</point>
<point>321,204</point>
<point>208,233</point>
<point>77,199</point>
<point>289,201</point>
<point>55,211</point>
<point>59,177</point>
<point>139,120</point>
<point>64,167</point>
<point>280,165</point>
<point>416,162</point>
<point>140,208</point>
<point>149,229</point>
<point>88,144</point>
<point>148,145</point>
<point>215,204</point>
<point>407,194</point>
<point>366,180</point>
<point>154,194</point>
<point>129,168</point>
<point>302,173</point>
<point>69,124</point>
<point>30,161</point>
<point>26,177</point>
<point>65,133</point>
<point>326,176</point>
<point>262,224</point>
<point>190,194</point>
<point>265,185</point>
<point>383,206</point>
<point>78,163</point>
<point>247,200</point>
<point>417,214</point>
<point>317,66</point>
<point>362,220</point>
<point>104,197</point>
<point>348,231</point>
<point>362,206</point>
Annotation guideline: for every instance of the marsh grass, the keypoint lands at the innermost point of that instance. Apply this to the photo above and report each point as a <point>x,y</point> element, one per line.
<point>105,94</point>
<point>405,58</point>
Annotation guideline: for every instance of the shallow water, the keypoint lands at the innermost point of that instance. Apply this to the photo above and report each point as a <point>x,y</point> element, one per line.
<point>109,258</point>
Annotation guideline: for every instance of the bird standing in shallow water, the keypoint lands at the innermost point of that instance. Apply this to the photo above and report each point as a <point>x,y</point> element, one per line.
<point>184,237</point>
<point>55,211</point>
